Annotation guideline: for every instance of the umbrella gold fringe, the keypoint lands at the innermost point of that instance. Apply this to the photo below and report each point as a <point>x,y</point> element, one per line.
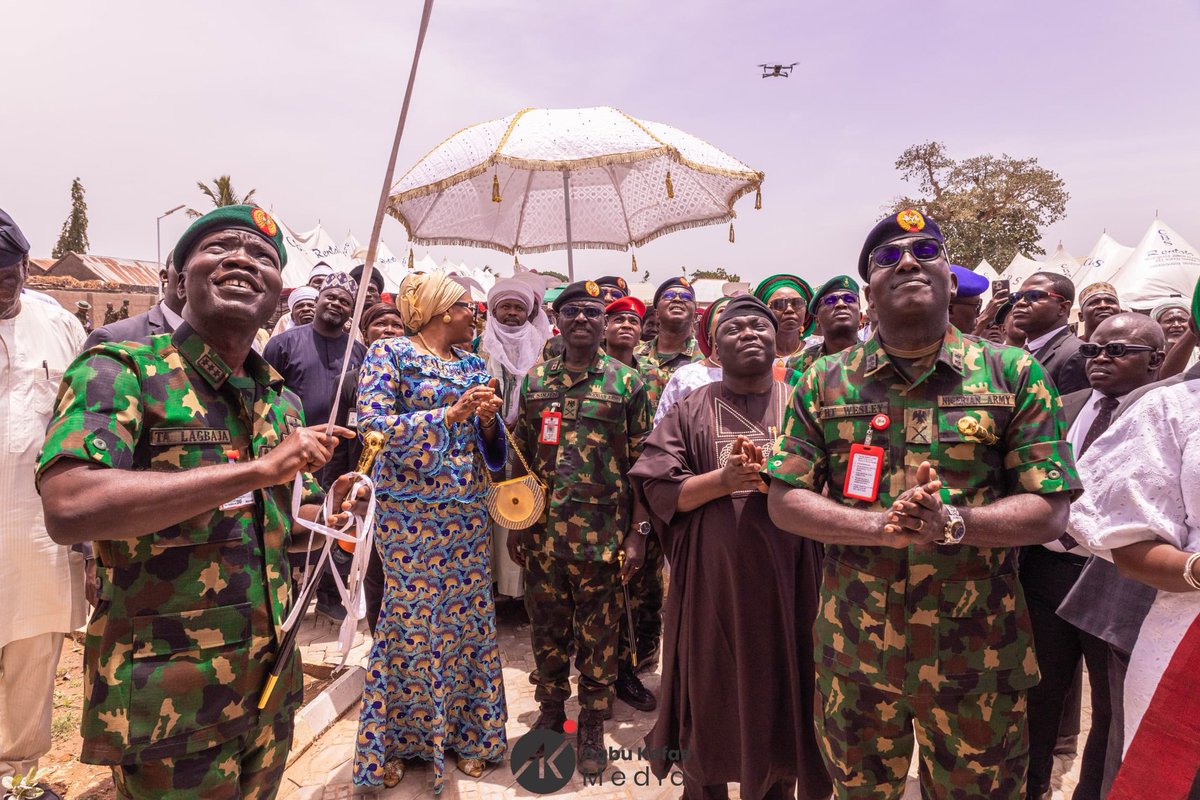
<point>731,240</point>
<point>758,198</point>
<point>754,178</point>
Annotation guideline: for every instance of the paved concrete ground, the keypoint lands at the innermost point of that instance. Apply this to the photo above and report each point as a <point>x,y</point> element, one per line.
<point>323,771</point>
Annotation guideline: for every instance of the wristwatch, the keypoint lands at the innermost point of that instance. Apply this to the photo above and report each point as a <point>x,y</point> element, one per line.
<point>955,529</point>
<point>643,528</point>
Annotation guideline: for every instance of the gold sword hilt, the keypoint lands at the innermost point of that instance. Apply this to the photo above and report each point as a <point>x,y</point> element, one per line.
<point>969,426</point>
<point>373,444</point>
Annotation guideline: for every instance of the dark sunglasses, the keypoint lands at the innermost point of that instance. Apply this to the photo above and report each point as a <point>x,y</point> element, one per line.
<point>474,309</point>
<point>615,294</point>
<point>784,303</point>
<point>833,299</point>
<point>889,255</point>
<point>1112,349</point>
<point>672,294</point>
<point>588,311</point>
<point>1031,296</point>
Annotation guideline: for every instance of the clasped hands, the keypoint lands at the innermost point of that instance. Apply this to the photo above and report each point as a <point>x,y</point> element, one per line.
<point>742,470</point>
<point>479,401</point>
<point>918,516</point>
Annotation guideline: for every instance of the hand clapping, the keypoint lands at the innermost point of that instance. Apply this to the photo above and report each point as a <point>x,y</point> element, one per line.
<point>918,516</point>
<point>741,471</point>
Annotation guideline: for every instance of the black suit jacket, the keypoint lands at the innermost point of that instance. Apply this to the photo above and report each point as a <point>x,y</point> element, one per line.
<point>1061,359</point>
<point>1103,602</point>
<point>137,328</point>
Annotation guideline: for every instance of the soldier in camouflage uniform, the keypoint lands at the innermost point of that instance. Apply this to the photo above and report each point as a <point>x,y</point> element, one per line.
<point>674,346</point>
<point>835,308</point>
<point>572,579</point>
<point>612,288</point>
<point>177,458</point>
<point>922,622</point>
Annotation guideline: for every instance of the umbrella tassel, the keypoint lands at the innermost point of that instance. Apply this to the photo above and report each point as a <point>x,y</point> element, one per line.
<point>670,187</point>
<point>495,188</point>
<point>758,199</point>
<point>731,233</point>
<point>634,257</point>
<point>410,260</point>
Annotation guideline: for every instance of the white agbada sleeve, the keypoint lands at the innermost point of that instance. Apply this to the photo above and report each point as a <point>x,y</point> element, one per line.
<point>41,583</point>
<point>1142,477</point>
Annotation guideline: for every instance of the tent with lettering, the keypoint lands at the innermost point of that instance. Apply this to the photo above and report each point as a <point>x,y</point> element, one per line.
<point>1106,257</point>
<point>1162,266</point>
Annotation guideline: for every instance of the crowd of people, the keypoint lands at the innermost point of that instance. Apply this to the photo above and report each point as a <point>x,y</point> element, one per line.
<point>890,527</point>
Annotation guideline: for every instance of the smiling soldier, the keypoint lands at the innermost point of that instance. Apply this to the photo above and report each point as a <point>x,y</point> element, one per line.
<point>941,453</point>
<point>177,458</point>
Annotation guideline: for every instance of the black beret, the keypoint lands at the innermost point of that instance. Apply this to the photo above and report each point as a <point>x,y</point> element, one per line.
<point>896,226</point>
<point>668,283</point>
<point>614,281</point>
<point>580,290</point>
<point>13,244</point>
<point>376,276</point>
<point>745,305</point>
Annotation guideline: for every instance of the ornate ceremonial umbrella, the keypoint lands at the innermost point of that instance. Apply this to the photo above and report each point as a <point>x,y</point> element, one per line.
<point>546,179</point>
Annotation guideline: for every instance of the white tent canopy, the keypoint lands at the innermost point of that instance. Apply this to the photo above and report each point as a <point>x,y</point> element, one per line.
<point>1106,257</point>
<point>1020,268</point>
<point>1162,266</point>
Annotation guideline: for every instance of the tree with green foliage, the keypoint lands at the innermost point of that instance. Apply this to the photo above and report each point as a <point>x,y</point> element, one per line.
<point>221,193</point>
<point>718,274</point>
<point>558,276</point>
<point>987,206</point>
<point>74,237</point>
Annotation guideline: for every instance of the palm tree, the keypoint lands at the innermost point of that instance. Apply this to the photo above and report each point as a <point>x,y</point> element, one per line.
<point>221,193</point>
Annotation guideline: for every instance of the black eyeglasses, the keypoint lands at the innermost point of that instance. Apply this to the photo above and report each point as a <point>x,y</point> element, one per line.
<point>1032,296</point>
<point>889,255</point>
<point>845,297</point>
<point>1113,349</point>
<point>784,303</point>
<point>588,311</point>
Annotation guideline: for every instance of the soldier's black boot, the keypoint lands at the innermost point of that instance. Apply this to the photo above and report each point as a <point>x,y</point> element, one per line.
<point>551,716</point>
<point>631,691</point>
<point>589,741</point>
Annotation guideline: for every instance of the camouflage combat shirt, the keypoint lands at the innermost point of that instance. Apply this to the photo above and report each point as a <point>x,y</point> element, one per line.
<point>606,419</point>
<point>929,619</point>
<point>188,621</point>
<point>657,368</point>
<point>797,365</point>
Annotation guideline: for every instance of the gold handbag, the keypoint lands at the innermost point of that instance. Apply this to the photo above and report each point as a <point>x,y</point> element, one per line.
<point>518,502</point>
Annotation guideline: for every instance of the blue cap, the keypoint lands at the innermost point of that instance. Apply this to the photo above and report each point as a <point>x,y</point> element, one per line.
<point>970,284</point>
<point>13,244</point>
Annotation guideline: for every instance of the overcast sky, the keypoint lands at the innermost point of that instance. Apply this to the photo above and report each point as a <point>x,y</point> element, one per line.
<point>299,101</point>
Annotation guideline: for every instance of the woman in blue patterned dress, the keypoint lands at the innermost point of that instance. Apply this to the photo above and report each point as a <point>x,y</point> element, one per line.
<point>434,682</point>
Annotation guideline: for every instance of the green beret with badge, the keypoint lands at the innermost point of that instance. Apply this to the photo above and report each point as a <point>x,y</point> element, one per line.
<point>240,217</point>
<point>840,282</point>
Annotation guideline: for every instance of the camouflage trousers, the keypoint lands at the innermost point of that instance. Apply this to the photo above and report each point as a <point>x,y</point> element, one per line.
<point>973,746</point>
<point>573,605</point>
<point>646,600</point>
<point>249,767</point>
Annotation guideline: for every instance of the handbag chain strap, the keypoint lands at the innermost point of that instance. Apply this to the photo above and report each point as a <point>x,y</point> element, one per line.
<point>513,446</point>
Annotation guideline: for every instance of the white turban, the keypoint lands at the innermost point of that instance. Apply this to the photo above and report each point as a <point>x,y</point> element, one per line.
<point>301,293</point>
<point>1163,308</point>
<point>320,269</point>
<point>511,351</point>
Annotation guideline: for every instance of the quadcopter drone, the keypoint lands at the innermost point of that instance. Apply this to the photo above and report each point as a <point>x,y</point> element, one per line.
<point>777,70</point>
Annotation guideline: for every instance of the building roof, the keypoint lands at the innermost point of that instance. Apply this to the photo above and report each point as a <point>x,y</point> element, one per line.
<point>129,272</point>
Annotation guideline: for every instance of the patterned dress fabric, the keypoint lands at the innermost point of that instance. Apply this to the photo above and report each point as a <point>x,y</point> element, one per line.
<point>433,681</point>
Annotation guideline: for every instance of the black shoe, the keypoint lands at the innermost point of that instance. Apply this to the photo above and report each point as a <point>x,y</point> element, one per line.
<point>631,692</point>
<point>334,612</point>
<point>589,741</point>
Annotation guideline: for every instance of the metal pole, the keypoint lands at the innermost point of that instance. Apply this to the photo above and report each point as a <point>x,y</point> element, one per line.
<point>567,207</point>
<point>158,240</point>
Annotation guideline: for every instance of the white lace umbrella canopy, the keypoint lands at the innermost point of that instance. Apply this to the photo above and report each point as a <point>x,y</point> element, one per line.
<point>500,184</point>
